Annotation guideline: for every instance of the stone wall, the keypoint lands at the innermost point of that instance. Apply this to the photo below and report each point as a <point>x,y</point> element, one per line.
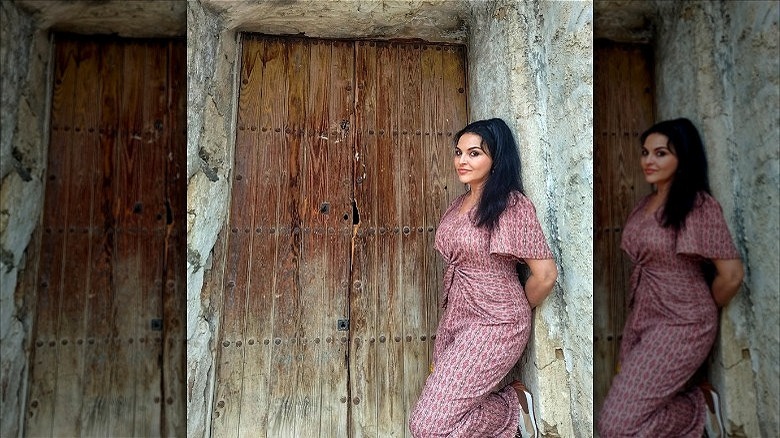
<point>531,64</point>
<point>211,55</point>
<point>717,64</point>
<point>542,53</point>
<point>24,113</point>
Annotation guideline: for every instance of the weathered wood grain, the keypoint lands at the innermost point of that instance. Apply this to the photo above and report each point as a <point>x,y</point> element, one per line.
<point>173,400</point>
<point>230,369</point>
<point>320,123</point>
<point>43,375</point>
<point>364,295</point>
<point>623,90</point>
<point>411,169</point>
<point>76,278</point>
<point>282,405</point>
<point>105,220</point>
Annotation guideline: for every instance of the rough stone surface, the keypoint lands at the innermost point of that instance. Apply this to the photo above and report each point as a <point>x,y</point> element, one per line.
<point>718,65</point>
<point>531,64</point>
<point>625,20</point>
<point>211,54</point>
<point>437,20</point>
<point>24,56</point>
<point>137,19</point>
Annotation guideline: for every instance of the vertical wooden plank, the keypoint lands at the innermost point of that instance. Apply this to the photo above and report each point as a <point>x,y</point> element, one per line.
<point>151,243</point>
<point>437,155</point>
<point>99,358</point>
<point>306,322</point>
<point>230,371</point>
<point>624,108</point>
<point>390,306</point>
<point>410,170</point>
<point>173,400</point>
<point>454,115</point>
<point>259,311</point>
<point>127,263</point>
<point>286,289</point>
<point>339,235</point>
<point>75,287</point>
<point>44,369</point>
<point>364,295</point>
<point>320,216</point>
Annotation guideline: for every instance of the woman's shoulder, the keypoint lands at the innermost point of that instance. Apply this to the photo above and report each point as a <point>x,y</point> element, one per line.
<point>457,200</point>
<point>706,200</point>
<point>705,207</point>
<point>517,202</point>
<point>454,204</point>
<point>518,198</point>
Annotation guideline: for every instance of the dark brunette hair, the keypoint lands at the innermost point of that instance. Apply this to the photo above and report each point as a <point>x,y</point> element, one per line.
<point>504,176</point>
<point>691,176</point>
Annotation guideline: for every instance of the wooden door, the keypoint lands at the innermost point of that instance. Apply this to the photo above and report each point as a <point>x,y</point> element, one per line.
<point>108,352</point>
<point>623,109</point>
<point>330,284</point>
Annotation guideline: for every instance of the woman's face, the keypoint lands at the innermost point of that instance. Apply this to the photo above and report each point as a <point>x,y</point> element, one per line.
<point>472,161</point>
<point>659,163</point>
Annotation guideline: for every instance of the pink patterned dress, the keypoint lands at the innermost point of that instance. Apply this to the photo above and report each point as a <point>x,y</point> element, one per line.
<point>671,326</point>
<point>485,324</point>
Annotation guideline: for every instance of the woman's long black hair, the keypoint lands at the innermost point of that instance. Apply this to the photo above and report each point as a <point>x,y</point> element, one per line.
<point>691,176</point>
<point>504,176</point>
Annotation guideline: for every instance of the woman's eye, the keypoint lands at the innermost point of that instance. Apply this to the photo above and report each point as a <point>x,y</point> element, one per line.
<point>644,153</point>
<point>457,152</point>
<point>661,154</point>
<point>474,154</point>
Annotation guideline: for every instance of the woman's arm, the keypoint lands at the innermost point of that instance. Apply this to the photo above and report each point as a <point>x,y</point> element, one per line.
<point>727,280</point>
<point>541,281</point>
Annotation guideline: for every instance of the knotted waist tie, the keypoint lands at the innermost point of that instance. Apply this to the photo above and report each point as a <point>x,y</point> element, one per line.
<point>449,278</point>
<point>636,277</point>
<point>453,269</point>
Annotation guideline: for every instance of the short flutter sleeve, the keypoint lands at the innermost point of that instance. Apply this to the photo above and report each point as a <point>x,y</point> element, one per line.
<point>518,232</point>
<point>705,232</point>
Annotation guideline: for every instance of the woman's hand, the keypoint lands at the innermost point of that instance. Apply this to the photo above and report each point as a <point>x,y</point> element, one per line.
<point>544,272</point>
<point>727,280</point>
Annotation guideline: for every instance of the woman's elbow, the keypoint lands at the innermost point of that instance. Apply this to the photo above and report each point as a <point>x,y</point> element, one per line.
<point>737,275</point>
<point>732,274</point>
<point>550,275</point>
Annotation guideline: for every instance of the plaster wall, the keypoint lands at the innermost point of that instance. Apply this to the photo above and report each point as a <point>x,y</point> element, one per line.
<point>718,64</point>
<point>535,73</point>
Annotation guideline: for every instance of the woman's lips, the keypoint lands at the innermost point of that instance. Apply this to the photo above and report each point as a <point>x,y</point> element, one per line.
<point>649,171</point>
<point>462,171</point>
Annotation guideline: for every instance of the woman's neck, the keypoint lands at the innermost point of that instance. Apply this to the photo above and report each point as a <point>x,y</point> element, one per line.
<point>662,190</point>
<point>475,191</point>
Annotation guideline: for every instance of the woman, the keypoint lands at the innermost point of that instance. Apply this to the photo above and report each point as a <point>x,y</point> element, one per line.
<point>674,236</point>
<point>486,320</point>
